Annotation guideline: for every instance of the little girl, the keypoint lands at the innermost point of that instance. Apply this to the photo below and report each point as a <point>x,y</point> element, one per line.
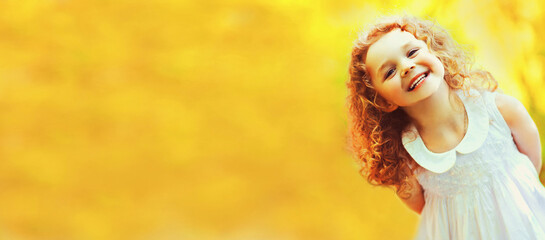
<point>460,154</point>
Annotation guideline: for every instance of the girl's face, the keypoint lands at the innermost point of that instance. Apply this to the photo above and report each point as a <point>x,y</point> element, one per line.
<point>403,70</point>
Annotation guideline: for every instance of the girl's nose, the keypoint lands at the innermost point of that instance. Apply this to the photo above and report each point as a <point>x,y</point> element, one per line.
<point>407,69</point>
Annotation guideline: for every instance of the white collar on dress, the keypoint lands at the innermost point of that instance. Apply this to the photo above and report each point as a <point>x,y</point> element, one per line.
<point>477,131</point>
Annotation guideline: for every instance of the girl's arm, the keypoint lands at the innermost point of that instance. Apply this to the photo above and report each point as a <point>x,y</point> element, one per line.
<point>414,197</point>
<point>522,127</point>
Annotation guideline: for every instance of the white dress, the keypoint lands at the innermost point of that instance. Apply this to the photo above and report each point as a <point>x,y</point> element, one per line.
<point>484,188</point>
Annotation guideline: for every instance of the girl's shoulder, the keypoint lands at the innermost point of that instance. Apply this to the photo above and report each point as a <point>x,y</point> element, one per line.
<point>507,106</point>
<point>511,109</point>
<point>503,110</point>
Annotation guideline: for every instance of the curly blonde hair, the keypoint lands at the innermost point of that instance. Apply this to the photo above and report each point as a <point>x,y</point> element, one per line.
<point>375,134</point>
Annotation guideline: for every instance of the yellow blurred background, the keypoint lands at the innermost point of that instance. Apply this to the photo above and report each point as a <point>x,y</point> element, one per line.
<point>212,119</point>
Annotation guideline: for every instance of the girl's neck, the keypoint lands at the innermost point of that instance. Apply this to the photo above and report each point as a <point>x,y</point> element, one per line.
<point>442,111</point>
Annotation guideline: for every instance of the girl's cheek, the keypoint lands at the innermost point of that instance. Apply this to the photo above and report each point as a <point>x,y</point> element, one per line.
<point>434,61</point>
<point>441,67</point>
<point>429,57</point>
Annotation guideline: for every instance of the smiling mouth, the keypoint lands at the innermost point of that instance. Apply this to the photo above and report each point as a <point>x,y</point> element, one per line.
<point>416,83</point>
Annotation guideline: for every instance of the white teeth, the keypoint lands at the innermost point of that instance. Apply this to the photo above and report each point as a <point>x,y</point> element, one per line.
<point>418,81</point>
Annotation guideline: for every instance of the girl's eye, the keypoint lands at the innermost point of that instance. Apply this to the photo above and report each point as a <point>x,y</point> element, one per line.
<point>389,73</point>
<point>412,52</point>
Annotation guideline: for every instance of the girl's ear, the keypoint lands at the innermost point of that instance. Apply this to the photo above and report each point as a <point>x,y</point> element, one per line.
<point>390,107</point>
<point>385,105</point>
